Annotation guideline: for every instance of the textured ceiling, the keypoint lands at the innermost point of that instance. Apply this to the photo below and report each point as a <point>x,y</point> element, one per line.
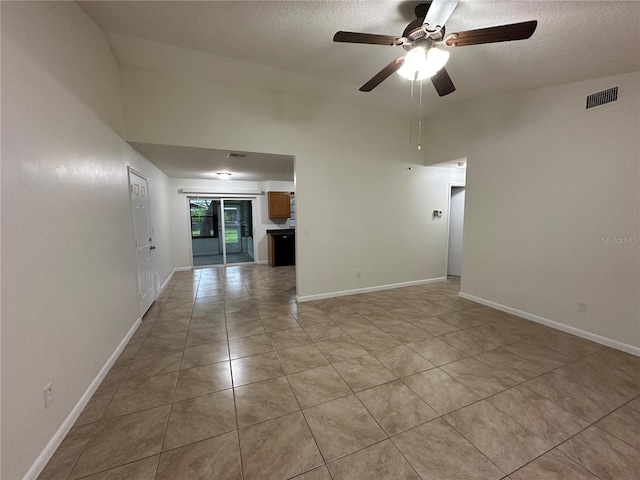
<point>204,163</point>
<point>574,40</point>
<point>287,46</point>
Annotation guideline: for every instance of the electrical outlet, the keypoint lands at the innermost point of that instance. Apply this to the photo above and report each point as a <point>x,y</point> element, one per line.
<point>358,273</point>
<point>306,232</point>
<point>48,395</point>
<point>582,307</point>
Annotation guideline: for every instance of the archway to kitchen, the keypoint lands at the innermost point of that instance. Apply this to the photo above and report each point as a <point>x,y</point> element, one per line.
<point>218,202</point>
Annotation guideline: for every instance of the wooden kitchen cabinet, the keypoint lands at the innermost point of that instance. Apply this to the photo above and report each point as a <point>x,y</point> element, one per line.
<point>279,204</point>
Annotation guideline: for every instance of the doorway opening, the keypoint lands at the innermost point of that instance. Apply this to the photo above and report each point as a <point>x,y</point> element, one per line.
<point>221,231</point>
<point>456,227</point>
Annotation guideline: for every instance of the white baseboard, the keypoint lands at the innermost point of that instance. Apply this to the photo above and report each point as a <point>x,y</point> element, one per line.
<point>182,269</point>
<point>262,262</point>
<point>166,282</point>
<point>377,288</point>
<point>68,423</point>
<point>609,342</point>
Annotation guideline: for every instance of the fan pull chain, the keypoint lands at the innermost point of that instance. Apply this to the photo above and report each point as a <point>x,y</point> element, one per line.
<point>411,115</point>
<point>420,120</point>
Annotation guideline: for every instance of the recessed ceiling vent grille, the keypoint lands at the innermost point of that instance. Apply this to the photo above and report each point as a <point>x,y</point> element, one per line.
<point>236,155</point>
<point>603,97</point>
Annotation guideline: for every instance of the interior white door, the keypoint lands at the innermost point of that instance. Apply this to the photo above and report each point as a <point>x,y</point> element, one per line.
<point>139,191</point>
<point>456,223</point>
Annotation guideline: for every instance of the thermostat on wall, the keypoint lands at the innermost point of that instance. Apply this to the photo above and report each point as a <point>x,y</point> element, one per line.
<point>437,213</point>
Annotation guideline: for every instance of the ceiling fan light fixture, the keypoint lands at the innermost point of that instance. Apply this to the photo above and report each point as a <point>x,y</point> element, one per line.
<point>421,35</point>
<point>437,58</point>
<point>415,61</point>
<point>423,63</point>
<point>223,175</point>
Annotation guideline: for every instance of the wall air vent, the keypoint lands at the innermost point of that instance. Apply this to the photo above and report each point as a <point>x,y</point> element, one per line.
<point>603,97</point>
<point>236,155</point>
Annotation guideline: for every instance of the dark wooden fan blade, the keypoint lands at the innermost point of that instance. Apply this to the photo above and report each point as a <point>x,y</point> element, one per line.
<point>503,33</point>
<point>368,38</point>
<point>382,75</point>
<point>442,82</point>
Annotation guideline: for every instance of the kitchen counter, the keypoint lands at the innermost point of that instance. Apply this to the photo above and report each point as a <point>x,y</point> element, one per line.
<point>283,231</point>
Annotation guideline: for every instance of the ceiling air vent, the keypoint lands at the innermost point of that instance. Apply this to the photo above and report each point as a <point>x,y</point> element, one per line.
<point>236,155</point>
<point>603,97</point>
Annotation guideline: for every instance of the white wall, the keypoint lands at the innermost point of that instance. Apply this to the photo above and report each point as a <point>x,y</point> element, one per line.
<point>178,211</point>
<point>547,181</point>
<point>362,208</point>
<point>68,265</point>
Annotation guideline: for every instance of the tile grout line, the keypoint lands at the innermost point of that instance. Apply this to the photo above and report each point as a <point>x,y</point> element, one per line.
<point>233,388</point>
<point>308,426</point>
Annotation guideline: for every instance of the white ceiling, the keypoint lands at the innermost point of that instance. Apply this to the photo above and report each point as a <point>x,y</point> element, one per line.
<point>287,46</point>
<point>204,163</point>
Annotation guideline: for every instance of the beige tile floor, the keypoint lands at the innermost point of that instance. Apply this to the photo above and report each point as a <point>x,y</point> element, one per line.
<point>228,378</point>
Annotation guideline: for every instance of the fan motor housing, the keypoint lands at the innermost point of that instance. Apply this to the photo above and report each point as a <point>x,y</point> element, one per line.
<point>415,32</point>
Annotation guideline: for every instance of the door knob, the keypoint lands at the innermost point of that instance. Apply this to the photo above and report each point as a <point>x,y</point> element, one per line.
<point>152,247</point>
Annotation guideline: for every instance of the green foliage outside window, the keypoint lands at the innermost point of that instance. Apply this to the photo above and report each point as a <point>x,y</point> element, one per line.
<point>205,223</point>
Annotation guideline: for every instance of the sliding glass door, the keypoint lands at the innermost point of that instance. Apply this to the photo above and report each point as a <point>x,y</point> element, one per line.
<point>206,228</point>
<point>221,231</point>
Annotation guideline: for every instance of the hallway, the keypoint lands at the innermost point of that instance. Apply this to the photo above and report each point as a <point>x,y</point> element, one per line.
<point>227,377</point>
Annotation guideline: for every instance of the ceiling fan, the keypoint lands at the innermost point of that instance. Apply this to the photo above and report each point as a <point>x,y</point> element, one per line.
<point>423,40</point>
